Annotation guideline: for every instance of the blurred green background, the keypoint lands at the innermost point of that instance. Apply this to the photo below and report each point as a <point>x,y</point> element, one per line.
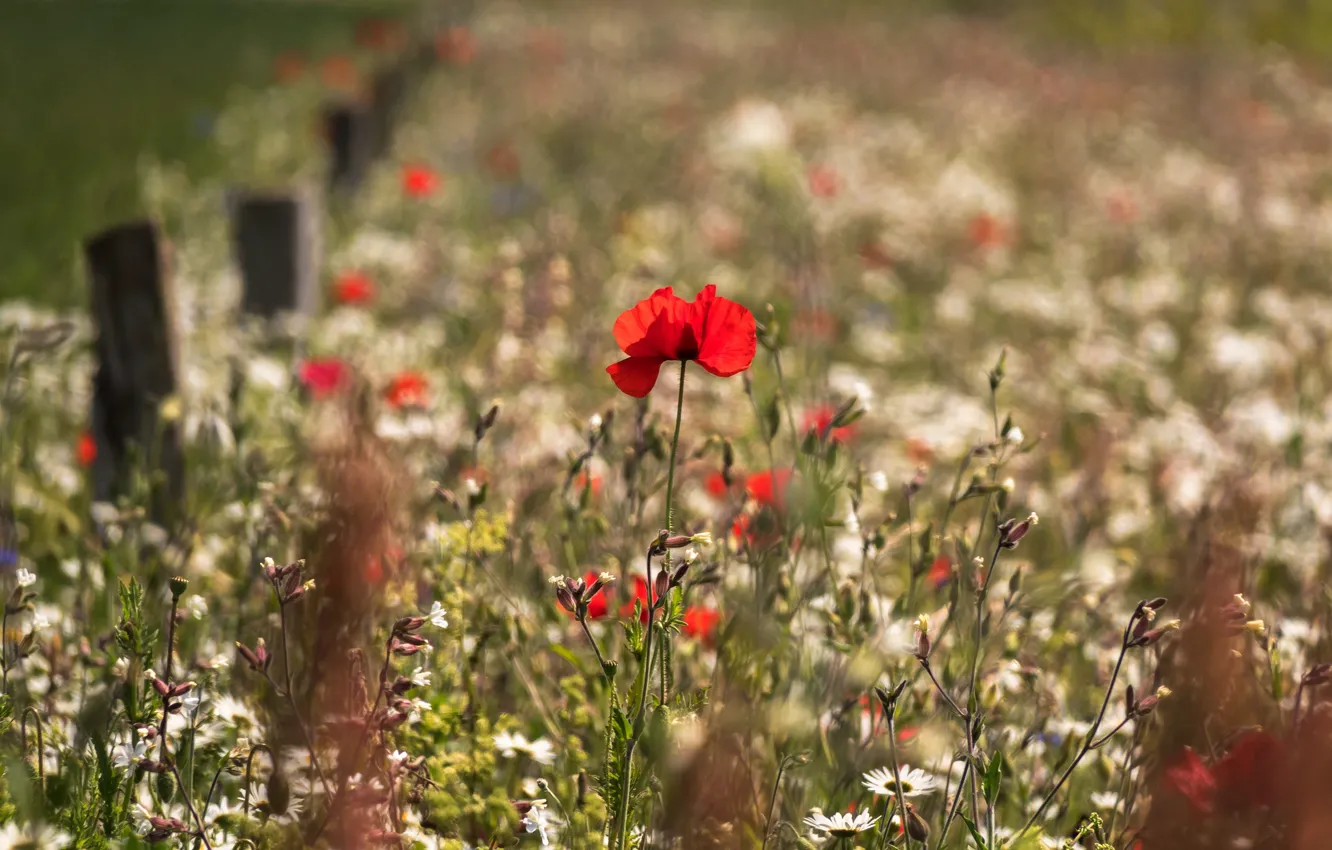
<point>87,86</point>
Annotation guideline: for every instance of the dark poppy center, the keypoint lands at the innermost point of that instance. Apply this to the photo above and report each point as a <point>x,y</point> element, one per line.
<point>688,348</point>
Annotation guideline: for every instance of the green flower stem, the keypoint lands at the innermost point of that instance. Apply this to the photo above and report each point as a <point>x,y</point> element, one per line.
<point>641,709</point>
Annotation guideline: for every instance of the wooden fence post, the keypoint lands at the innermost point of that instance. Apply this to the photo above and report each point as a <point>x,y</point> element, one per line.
<point>136,369</point>
<point>276,239</point>
<point>351,145</point>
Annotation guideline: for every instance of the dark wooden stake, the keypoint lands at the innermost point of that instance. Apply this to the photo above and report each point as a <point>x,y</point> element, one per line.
<point>276,239</point>
<point>136,369</point>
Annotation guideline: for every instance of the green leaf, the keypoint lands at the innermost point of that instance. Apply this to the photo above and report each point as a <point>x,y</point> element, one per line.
<point>975,834</point>
<point>568,655</point>
<point>993,775</point>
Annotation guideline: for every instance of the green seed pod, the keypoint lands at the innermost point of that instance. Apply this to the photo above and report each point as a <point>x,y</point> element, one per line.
<point>166,787</point>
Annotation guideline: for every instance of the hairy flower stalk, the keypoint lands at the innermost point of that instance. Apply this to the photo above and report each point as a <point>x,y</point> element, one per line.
<point>1142,614</point>
<point>168,692</point>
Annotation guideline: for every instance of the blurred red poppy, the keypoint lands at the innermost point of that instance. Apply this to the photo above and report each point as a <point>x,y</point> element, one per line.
<point>583,481</point>
<point>823,181</point>
<point>1245,777</point>
<point>719,334</point>
<point>919,451</point>
<point>86,452</point>
<point>354,288</point>
<point>640,596</point>
<point>339,72</point>
<point>701,623</point>
<point>769,488</point>
<point>986,231</point>
<point>288,67</point>
<point>378,34</point>
<point>324,377</point>
<point>419,181</point>
<point>1121,208</point>
<point>455,46</point>
<point>819,418</point>
<point>940,573</point>
<point>406,389</point>
<point>716,485</point>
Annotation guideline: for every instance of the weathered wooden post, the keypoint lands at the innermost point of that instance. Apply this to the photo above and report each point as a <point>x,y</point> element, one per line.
<point>349,129</point>
<point>276,240</point>
<point>387,92</point>
<point>133,309</point>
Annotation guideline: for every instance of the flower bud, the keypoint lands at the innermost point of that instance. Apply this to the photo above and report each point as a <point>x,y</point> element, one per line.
<point>1318,674</point>
<point>1153,635</point>
<point>916,827</point>
<point>178,586</point>
<point>565,598</point>
<point>922,652</point>
<point>1012,532</point>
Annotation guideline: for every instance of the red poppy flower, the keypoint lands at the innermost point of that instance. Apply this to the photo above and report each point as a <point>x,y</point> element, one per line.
<point>377,34</point>
<point>769,488</point>
<point>324,377</point>
<point>86,451</point>
<point>339,72</point>
<point>987,232</point>
<point>640,595</point>
<point>1121,208</point>
<point>354,288</point>
<point>823,181</point>
<point>940,573</point>
<point>701,623</point>
<point>919,451</point>
<point>406,389</point>
<point>819,418</point>
<point>720,334</point>
<point>716,485</point>
<point>455,46</point>
<point>288,67</point>
<point>419,181</point>
<point>594,484</point>
<point>1246,776</point>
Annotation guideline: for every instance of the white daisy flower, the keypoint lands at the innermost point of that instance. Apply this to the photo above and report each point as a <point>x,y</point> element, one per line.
<point>26,578</point>
<point>840,825</point>
<point>915,782</point>
<point>511,745</point>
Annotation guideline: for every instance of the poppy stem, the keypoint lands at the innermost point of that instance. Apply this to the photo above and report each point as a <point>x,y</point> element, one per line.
<point>675,442</point>
<point>622,825</point>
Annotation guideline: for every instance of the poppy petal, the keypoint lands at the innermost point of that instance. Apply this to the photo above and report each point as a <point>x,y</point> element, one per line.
<point>651,327</point>
<point>636,376</point>
<point>1190,777</point>
<point>729,337</point>
<point>1249,773</point>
